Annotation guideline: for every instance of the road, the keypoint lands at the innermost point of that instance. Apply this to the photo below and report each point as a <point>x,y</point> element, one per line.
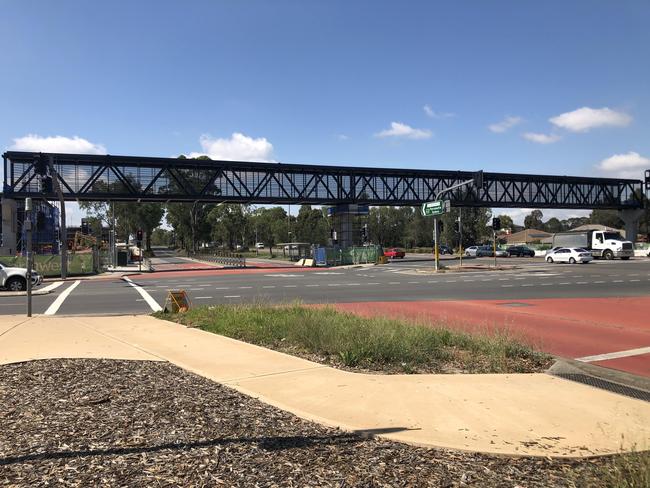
<point>512,297</point>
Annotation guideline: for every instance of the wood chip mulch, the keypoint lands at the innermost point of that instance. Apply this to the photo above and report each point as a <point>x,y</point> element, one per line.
<point>82,422</point>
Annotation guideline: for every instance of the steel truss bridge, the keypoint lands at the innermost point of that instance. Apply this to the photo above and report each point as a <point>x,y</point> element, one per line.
<point>128,178</point>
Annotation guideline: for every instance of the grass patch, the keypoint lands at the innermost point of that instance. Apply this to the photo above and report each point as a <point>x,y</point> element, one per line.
<point>631,470</point>
<point>376,344</point>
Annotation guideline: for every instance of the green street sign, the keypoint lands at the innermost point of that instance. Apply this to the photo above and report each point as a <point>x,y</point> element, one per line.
<point>437,207</point>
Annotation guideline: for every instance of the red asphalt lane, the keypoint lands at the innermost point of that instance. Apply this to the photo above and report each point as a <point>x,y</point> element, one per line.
<point>571,328</point>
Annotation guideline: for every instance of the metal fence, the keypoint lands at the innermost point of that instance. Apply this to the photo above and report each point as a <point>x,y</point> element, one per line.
<point>228,259</point>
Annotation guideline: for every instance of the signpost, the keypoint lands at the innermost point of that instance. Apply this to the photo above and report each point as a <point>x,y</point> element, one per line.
<point>437,207</point>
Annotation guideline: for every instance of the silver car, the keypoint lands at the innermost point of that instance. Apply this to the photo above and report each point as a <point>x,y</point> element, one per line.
<point>471,251</point>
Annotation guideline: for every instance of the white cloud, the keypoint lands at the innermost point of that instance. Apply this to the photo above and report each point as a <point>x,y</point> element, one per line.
<point>585,119</point>
<point>342,137</point>
<point>541,138</point>
<point>57,144</point>
<point>238,148</point>
<point>437,115</point>
<point>628,165</point>
<point>506,124</point>
<point>397,129</point>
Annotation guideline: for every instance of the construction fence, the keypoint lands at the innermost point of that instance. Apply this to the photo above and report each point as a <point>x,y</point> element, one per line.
<point>50,265</point>
<point>336,256</point>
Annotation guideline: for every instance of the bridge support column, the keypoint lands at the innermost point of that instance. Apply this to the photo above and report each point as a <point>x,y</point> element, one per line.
<point>9,226</point>
<point>631,219</point>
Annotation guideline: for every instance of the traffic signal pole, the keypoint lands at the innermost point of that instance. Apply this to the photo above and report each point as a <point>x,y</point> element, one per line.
<point>436,257</point>
<point>27,223</point>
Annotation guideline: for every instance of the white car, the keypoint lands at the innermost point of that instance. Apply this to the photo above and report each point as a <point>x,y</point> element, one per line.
<point>15,279</point>
<point>471,251</point>
<point>570,255</point>
<point>259,245</point>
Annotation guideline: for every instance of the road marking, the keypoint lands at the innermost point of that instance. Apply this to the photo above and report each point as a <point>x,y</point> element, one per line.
<point>286,286</point>
<point>600,281</point>
<point>222,288</point>
<point>564,283</point>
<point>248,287</point>
<point>147,298</point>
<point>191,289</point>
<point>547,284</point>
<point>527,284</point>
<point>201,298</point>
<point>52,309</point>
<point>617,281</point>
<point>432,282</point>
<point>507,286</point>
<point>51,286</point>
<point>504,279</point>
<point>393,282</point>
<point>582,283</point>
<point>232,296</point>
<point>414,282</point>
<point>334,284</point>
<point>305,285</point>
<point>273,286</point>
<point>446,281</point>
<point>615,355</point>
<point>374,283</point>
<point>634,280</point>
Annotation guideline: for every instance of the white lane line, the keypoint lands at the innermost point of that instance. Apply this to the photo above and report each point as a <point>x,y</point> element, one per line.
<point>432,282</point>
<point>414,282</point>
<point>617,281</point>
<point>446,281</point>
<point>201,298</point>
<point>375,283</point>
<point>232,296</point>
<point>354,284</point>
<point>245,287</point>
<point>222,288</point>
<point>143,293</point>
<point>547,284</point>
<point>634,280</point>
<point>615,355</point>
<point>581,282</point>
<point>50,287</point>
<point>272,286</point>
<point>56,304</point>
<point>599,282</point>
<point>311,286</point>
<point>504,279</point>
<point>334,284</point>
<point>190,289</point>
<point>527,284</point>
<point>393,282</point>
<point>289,286</point>
<point>507,286</point>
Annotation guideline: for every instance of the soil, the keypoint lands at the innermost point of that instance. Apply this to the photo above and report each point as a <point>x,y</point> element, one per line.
<point>88,422</point>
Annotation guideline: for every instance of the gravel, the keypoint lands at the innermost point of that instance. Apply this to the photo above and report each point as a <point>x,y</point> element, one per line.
<point>87,422</point>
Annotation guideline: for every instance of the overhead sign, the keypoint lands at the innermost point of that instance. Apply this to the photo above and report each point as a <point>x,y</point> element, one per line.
<point>177,301</point>
<point>437,207</point>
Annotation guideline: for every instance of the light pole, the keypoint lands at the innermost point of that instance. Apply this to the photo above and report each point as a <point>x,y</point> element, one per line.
<point>27,223</point>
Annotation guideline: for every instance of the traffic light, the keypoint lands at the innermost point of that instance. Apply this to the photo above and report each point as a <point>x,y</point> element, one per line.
<point>46,184</point>
<point>364,233</point>
<point>441,226</point>
<point>647,179</point>
<point>40,166</point>
<point>456,225</point>
<point>138,235</point>
<point>85,228</point>
<point>496,223</point>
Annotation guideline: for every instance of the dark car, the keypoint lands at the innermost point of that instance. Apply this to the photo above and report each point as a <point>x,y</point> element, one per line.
<point>442,249</point>
<point>520,251</point>
<point>484,251</point>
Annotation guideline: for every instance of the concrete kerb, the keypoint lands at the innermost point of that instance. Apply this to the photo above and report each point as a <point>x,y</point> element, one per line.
<point>501,414</point>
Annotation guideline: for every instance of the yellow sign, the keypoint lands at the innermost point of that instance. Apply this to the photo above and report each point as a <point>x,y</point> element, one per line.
<point>177,301</point>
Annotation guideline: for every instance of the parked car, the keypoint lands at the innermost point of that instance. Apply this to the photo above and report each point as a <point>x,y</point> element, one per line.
<point>484,251</point>
<point>259,245</point>
<point>394,253</point>
<point>570,255</point>
<point>15,279</point>
<point>471,251</point>
<point>443,249</point>
<point>520,251</point>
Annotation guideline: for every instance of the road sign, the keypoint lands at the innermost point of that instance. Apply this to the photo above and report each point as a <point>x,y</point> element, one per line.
<point>437,207</point>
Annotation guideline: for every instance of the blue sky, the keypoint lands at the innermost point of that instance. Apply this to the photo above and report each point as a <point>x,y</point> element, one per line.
<point>536,87</point>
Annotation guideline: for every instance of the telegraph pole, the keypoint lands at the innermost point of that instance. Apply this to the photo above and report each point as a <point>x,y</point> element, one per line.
<point>27,223</point>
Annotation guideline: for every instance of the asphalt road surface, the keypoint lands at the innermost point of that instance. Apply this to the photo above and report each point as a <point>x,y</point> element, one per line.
<point>404,280</point>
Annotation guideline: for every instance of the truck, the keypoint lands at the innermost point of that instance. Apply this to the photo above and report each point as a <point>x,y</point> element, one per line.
<point>601,244</point>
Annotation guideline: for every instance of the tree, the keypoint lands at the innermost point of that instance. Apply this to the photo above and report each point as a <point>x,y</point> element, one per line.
<point>476,229</point>
<point>610,218</point>
<point>311,225</point>
<point>553,225</point>
<point>534,220</point>
<point>506,222</point>
<point>228,223</point>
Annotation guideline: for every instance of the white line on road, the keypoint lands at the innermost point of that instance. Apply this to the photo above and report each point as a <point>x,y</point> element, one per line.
<point>147,298</point>
<point>308,286</point>
<point>273,286</point>
<point>582,282</point>
<point>222,288</point>
<point>374,283</point>
<point>201,298</point>
<point>617,281</point>
<point>51,286</point>
<point>599,282</point>
<point>507,286</point>
<point>393,282</point>
<point>634,280</point>
<point>245,287</point>
<point>52,309</point>
<point>232,296</point>
<point>615,355</point>
<point>288,286</point>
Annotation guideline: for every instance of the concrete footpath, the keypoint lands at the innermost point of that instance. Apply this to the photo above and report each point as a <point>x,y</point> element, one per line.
<point>518,414</point>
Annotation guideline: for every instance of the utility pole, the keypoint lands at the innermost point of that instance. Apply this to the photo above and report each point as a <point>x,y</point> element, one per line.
<point>435,243</point>
<point>460,231</point>
<point>27,224</point>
